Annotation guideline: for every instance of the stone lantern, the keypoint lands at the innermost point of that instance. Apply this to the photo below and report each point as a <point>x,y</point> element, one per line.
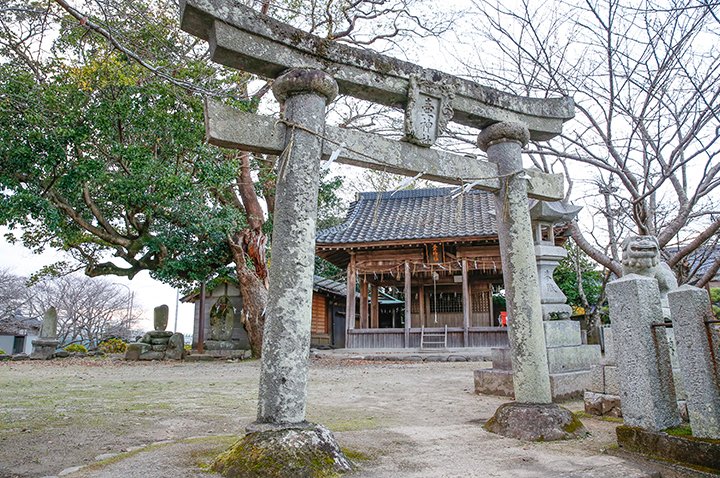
<point>544,216</point>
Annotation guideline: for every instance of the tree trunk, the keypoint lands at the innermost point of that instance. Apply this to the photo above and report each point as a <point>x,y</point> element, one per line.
<point>248,247</point>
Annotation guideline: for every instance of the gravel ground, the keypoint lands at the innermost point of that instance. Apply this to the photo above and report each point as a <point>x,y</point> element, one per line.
<point>140,419</point>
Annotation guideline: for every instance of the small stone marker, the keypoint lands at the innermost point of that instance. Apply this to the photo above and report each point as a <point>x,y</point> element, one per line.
<point>49,324</point>
<point>44,347</point>
<point>160,317</point>
<point>647,390</point>
<point>689,309</point>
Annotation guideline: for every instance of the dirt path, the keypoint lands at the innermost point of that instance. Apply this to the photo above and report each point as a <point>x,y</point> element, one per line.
<point>405,419</point>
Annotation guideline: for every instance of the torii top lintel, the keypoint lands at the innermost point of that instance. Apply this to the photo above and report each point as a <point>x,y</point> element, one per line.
<point>242,38</point>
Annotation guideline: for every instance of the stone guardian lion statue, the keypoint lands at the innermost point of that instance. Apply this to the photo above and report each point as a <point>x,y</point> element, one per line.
<point>641,255</point>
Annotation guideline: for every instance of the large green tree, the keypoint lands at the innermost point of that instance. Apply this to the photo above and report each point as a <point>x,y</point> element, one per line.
<point>102,150</point>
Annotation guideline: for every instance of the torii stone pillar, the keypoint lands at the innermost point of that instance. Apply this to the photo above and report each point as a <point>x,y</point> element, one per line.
<point>286,340</point>
<point>503,143</point>
<point>298,447</point>
<point>533,416</point>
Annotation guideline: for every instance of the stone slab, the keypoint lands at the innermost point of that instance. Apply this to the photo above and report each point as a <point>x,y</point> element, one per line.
<point>611,379</point>
<point>244,39</point>
<point>156,334</point>
<point>199,358</point>
<point>569,359</point>
<point>263,134</point>
<point>501,358</point>
<point>494,382</point>
<point>692,451</point>
<point>562,333</point>
<point>602,404</point>
<point>563,386</point>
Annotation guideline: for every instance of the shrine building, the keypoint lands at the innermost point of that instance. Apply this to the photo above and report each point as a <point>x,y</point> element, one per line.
<point>434,249</point>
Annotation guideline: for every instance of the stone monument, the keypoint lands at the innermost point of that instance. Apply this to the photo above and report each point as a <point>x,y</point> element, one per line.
<point>647,390</point>
<point>309,71</point>
<point>158,344</point>
<point>45,346</point>
<point>691,316</point>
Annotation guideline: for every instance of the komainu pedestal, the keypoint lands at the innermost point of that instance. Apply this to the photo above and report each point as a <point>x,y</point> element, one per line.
<point>535,422</point>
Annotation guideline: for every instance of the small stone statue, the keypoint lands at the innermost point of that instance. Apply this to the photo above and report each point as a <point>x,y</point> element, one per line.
<point>222,317</point>
<point>641,255</point>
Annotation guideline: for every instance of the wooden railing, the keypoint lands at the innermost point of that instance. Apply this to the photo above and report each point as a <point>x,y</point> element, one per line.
<point>395,338</point>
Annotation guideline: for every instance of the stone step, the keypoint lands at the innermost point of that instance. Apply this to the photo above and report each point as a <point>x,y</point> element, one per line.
<point>563,386</point>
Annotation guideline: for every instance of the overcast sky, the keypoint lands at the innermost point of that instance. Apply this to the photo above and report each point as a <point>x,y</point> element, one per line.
<point>149,293</point>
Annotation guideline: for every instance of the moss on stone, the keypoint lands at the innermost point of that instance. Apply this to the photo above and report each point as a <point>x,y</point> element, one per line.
<point>280,454</point>
<point>355,455</point>
<point>574,425</point>
<point>680,431</point>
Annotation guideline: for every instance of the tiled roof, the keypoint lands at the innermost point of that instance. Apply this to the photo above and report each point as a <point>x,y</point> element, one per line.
<point>328,285</point>
<point>19,325</point>
<point>414,214</point>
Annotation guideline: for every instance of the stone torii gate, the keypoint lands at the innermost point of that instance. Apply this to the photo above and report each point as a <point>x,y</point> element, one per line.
<point>309,72</point>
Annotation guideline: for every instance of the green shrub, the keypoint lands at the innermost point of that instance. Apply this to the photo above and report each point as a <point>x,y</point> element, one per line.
<point>188,347</point>
<point>76,348</point>
<point>113,346</point>
<point>2,352</point>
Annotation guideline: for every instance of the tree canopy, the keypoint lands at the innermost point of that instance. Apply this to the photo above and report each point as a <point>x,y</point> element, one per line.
<point>103,152</point>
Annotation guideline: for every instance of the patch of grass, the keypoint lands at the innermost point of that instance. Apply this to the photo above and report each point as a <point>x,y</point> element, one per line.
<point>362,423</point>
<point>355,455</point>
<point>583,415</point>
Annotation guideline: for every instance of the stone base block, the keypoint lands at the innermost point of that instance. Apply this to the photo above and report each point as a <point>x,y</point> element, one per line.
<point>44,349</point>
<point>611,379</point>
<point>494,382</point>
<point>222,345</point>
<point>136,349</point>
<point>229,354</point>
<point>501,359</point>
<point>199,358</point>
<point>569,359</point>
<point>535,422</point>
<point>692,451</point>
<point>563,386</point>
<point>570,385</point>
<point>152,356</point>
<point>301,451</point>
<point>602,405</point>
<point>562,333</point>
<point>160,334</point>
<point>605,380</point>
